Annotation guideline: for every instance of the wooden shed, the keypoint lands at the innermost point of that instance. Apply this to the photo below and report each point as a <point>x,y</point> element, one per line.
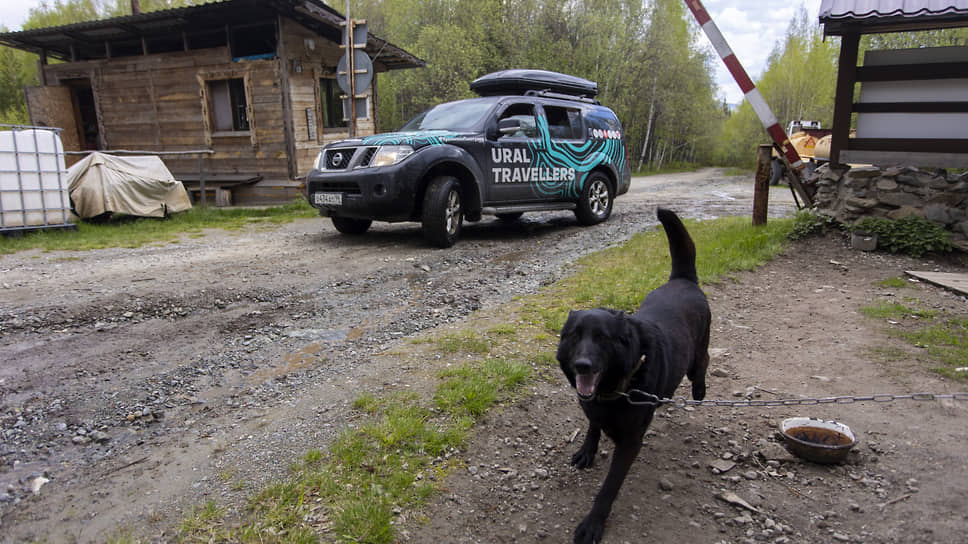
<point>251,83</point>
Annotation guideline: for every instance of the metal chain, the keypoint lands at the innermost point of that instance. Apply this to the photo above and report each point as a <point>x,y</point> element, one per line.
<point>641,398</point>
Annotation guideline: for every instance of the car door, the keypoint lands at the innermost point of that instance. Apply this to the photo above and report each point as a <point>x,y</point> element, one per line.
<point>511,154</point>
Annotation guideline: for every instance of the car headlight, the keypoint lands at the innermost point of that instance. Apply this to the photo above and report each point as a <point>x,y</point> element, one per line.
<point>388,155</point>
<point>318,165</point>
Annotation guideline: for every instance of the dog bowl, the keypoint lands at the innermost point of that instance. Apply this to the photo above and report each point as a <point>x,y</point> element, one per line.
<point>818,440</point>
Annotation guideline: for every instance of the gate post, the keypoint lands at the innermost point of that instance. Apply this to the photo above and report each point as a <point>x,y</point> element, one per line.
<point>761,184</point>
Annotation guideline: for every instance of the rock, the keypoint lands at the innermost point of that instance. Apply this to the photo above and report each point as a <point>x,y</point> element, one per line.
<point>37,483</point>
<point>903,212</point>
<point>665,484</point>
<point>885,184</point>
<point>900,199</point>
<point>751,475</point>
<point>937,213</point>
<point>775,452</point>
<point>719,372</point>
<point>719,466</point>
<point>100,437</point>
<point>734,499</point>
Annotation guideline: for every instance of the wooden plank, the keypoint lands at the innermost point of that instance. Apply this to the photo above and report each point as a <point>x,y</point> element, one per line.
<point>897,158</point>
<point>911,107</point>
<point>905,72</point>
<point>919,145</point>
<point>954,281</point>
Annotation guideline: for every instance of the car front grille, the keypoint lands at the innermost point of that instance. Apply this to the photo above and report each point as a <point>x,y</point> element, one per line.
<point>338,159</point>
<point>343,158</point>
<point>347,187</point>
<point>367,156</point>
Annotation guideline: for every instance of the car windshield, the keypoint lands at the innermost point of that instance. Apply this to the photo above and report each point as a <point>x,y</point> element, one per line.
<point>455,116</point>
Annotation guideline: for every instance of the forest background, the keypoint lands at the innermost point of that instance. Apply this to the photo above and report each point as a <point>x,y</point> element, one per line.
<point>653,65</point>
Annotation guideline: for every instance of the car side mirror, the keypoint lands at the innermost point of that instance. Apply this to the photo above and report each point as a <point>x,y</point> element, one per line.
<point>508,126</point>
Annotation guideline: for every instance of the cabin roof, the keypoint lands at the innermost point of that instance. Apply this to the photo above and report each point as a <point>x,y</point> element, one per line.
<point>165,30</point>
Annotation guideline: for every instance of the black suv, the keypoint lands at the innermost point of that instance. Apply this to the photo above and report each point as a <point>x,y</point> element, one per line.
<point>534,141</point>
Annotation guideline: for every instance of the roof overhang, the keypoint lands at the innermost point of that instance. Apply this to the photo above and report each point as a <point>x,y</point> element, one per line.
<point>840,17</point>
<point>78,41</point>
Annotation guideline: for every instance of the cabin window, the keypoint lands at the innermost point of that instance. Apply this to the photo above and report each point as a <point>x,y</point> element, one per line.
<point>228,105</point>
<point>329,94</point>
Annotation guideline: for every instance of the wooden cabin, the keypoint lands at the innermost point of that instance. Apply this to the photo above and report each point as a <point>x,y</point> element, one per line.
<point>248,86</point>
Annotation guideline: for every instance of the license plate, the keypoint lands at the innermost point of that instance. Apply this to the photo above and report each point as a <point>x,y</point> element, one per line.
<point>331,199</point>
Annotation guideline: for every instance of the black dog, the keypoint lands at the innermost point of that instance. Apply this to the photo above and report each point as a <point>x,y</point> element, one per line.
<point>605,353</point>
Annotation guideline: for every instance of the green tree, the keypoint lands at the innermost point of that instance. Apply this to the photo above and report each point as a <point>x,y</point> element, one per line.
<point>799,83</point>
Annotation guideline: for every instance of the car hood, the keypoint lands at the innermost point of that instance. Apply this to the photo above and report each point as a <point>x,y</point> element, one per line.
<point>416,140</point>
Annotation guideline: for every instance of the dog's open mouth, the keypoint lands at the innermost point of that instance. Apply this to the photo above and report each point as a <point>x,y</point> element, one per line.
<point>586,384</point>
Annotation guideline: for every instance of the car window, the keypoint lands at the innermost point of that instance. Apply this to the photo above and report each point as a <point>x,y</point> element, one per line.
<point>564,123</point>
<point>524,113</point>
<point>456,116</point>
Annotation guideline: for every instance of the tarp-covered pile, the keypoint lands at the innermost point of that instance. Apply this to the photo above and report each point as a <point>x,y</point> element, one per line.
<point>140,186</point>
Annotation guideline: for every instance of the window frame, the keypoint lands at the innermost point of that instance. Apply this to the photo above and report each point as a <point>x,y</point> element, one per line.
<point>204,78</point>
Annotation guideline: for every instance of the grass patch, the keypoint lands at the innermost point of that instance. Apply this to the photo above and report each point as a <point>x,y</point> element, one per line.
<point>944,338</point>
<point>946,342</point>
<point>130,232</point>
<point>892,283</point>
<point>464,341</point>
<point>470,390</point>
<point>893,310</point>
<point>620,277</point>
<point>404,443</point>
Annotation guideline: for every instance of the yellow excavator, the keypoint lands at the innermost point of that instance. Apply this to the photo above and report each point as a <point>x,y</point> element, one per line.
<point>812,144</point>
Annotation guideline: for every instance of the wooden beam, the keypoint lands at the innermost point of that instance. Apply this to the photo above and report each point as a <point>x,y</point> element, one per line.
<point>285,92</point>
<point>914,145</point>
<point>844,99</point>
<point>910,107</point>
<point>907,72</point>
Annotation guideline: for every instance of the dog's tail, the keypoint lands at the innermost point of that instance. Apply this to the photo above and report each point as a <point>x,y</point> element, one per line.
<point>681,248</point>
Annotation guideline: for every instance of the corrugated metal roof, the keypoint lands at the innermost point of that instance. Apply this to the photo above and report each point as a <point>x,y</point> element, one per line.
<point>872,16</point>
<point>862,9</point>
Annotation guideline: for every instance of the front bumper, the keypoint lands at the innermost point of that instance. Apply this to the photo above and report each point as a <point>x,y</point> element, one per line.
<point>384,193</point>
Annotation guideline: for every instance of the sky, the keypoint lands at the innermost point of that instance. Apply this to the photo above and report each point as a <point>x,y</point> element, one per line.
<point>751,27</point>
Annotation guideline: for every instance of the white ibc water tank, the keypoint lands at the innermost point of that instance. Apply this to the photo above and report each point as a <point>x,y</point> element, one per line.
<point>33,180</point>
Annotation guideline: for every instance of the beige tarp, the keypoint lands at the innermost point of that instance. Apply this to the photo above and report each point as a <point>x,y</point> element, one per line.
<point>140,186</point>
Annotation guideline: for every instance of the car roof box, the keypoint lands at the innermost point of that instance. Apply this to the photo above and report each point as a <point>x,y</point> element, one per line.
<point>520,81</point>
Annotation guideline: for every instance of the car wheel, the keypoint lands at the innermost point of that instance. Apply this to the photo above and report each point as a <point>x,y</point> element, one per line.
<point>595,203</point>
<point>508,217</point>
<point>347,225</point>
<point>443,212</point>
<point>776,172</point>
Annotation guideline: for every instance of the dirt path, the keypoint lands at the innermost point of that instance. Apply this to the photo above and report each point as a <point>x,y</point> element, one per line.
<point>138,382</point>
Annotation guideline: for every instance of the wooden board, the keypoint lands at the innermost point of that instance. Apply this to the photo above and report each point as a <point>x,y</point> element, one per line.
<point>954,281</point>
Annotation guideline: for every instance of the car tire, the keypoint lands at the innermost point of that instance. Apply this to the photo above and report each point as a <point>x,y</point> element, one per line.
<point>776,172</point>
<point>348,225</point>
<point>509,217</point>
<point>595,203</point>
<point>443,211</point>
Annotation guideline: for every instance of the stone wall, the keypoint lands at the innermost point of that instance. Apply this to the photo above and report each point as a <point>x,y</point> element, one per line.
<point>848,194</point>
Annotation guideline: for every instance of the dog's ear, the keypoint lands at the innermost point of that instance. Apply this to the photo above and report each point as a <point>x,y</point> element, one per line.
<point>566,344</point>
<point>633,344</point>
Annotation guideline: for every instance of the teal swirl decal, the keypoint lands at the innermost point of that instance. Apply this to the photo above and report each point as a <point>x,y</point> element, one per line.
<point>604,147</point>
<point>413,139</point>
